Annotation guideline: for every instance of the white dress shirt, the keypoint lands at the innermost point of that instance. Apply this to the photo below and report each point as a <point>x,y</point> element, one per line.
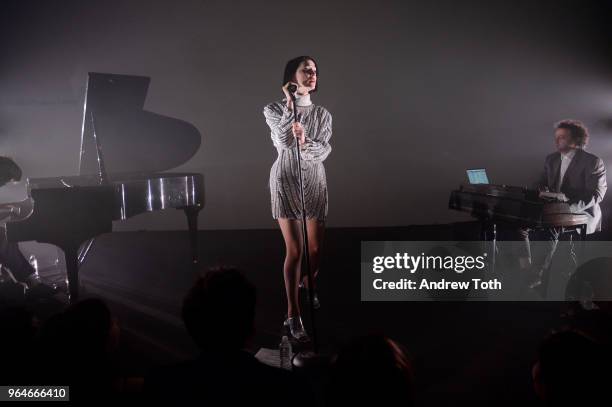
<point>566,159</point>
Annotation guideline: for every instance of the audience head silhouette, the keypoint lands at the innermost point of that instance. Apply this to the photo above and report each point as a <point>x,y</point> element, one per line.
<point>219,310</point>
<point>372,369</point>
<point>571,369</point>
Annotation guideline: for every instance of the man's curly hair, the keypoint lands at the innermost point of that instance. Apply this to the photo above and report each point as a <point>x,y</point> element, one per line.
<point>578,131</point>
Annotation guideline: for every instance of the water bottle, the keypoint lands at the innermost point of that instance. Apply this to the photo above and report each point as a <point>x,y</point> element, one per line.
<point>285,353</point>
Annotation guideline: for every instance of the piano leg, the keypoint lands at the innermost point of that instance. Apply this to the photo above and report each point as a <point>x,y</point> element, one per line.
<point>192,222</point>
<point>72,271</point>
<point>583,237</point>
<point>493,246</point>
<point>488,234</point>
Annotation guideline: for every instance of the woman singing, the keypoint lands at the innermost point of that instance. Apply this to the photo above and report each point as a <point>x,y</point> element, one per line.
<point>312,132</point>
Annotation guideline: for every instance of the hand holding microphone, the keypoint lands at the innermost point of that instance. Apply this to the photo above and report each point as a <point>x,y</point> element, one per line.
<point>289,89</point>
<point>298,130</point>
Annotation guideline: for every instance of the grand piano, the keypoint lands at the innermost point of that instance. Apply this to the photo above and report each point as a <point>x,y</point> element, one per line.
<point>124,153</point>
<point>518,206</point>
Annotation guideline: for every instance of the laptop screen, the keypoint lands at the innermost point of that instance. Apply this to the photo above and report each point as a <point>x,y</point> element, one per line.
<point>478,176</point>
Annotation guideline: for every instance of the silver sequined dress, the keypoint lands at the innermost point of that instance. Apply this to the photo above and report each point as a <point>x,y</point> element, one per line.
<point>284,182</point>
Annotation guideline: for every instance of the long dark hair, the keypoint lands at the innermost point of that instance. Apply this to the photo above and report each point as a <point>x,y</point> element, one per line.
<point>293,65</point>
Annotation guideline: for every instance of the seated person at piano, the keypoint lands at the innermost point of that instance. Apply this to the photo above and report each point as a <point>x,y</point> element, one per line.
<point>571,175</point>
<point>10,255</point>
<point>9,171</point>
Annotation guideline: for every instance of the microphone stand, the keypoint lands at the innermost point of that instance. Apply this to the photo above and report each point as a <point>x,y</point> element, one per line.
<point>315,344</point>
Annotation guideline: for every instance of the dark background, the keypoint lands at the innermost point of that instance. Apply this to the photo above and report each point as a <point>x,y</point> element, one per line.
<point>419,91</point>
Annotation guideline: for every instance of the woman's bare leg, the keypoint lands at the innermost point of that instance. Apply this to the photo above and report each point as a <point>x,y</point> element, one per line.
<point>292,233</point>
<point>316,231</point>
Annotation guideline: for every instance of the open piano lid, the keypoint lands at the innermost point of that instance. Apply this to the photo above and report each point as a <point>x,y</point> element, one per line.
<point>130,139</point>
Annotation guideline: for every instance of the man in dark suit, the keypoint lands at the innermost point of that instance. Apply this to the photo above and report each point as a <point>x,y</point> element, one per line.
<point>579,178</point>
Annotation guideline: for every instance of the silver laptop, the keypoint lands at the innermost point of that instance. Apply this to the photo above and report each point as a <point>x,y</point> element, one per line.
<point>478,176</point>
